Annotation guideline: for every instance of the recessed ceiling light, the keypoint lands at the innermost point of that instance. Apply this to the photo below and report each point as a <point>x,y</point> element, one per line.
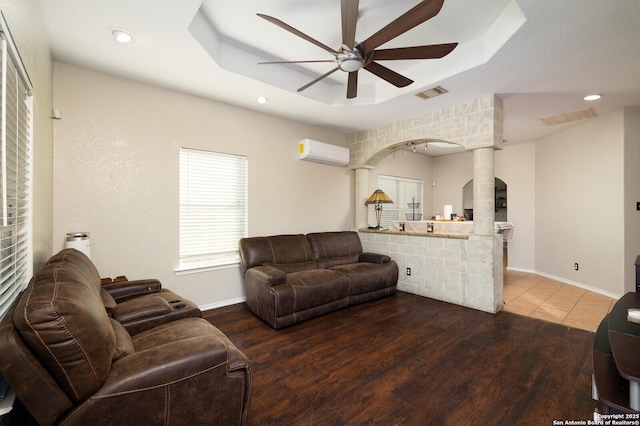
<point>262,100</point>
<point>122,36</point>
<point>592,97</point>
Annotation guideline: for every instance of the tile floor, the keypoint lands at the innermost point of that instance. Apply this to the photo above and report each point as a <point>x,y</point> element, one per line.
<point>554,301</point>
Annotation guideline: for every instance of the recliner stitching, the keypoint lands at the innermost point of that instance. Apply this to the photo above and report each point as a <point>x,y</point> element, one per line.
<point>59,319</point>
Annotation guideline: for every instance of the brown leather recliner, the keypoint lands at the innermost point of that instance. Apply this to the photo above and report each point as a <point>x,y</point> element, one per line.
<point>71,364</point>
<point>139,304</point>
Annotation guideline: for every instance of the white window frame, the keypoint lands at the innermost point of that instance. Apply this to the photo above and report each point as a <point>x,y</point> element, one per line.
<point>213,209</point>
<point>16,172</point>
<point>402,191</point>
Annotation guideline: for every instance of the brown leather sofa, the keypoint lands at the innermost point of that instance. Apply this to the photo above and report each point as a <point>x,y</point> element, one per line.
<point>69,363</point>
<point>138,304</point>
<point>291,278</point>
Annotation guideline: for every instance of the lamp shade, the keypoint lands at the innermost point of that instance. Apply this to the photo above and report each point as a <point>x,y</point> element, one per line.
<point>378,197</point>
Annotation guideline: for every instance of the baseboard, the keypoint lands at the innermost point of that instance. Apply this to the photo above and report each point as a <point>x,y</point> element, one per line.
<point>222,304</point>
<point>570,282</point>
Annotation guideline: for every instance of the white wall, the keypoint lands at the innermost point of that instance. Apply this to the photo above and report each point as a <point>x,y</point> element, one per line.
<point>579,203</point>
<point>116,175</point>
<point>27,28</point>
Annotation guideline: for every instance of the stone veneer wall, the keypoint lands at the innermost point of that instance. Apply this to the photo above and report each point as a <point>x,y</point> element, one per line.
<point>467,272</point>
<point>473,124</point>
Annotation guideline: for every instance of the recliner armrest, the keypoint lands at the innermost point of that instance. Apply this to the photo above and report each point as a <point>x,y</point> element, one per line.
<point>267,274</point>
<point>206,374</point>
<point>171,362</point>
<point>123,290</point>
<point>139,309</point>
<point>374,257</point>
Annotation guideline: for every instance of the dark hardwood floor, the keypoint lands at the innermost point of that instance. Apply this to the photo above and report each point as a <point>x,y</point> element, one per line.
<point>410,360</point>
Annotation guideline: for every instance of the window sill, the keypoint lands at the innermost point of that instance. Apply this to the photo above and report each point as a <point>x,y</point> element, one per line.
<point>206,268</point>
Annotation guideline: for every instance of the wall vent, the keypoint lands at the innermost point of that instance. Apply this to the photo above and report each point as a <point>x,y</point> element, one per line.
<point>432,93</point>
<point>567,117</point>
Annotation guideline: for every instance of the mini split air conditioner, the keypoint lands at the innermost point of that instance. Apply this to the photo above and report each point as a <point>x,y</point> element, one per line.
<point>321,152</point>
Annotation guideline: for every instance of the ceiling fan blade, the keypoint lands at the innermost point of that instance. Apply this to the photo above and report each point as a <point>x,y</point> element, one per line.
<point>420,13</point>
<point>296,62</point>
<point>352,85</point>
<point>306,86</point>
<point>388,75</point>
<point>349,9</point>
<point>433,51</point>
<point>300,34</point>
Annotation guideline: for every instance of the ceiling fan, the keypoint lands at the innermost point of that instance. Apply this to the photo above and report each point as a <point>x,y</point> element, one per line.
<point>351,57</point>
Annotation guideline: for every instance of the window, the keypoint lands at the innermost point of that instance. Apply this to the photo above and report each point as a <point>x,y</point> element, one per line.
<point>406,195</point>
<point>16,121</point>
<point>213,208</point>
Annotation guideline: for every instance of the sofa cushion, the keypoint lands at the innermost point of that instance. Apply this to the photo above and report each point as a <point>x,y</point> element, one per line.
<point>335,248</point>
<point>280,251</point>
<point>304,290</point>
<point>366,277</point>
<point>63,321</point>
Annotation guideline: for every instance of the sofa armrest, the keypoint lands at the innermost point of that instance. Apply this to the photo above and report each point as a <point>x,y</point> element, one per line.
<point>123,290</point>
<point>374,257</point>
<point>266,274</point>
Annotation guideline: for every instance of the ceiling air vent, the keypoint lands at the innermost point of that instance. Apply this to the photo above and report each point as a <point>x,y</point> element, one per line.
<point>431,93</point>
<point>567,117</point>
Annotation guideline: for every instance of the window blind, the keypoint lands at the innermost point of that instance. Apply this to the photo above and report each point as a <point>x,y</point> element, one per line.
<point>213,207</point>
<point>16,123</point>
<point>403,192</point>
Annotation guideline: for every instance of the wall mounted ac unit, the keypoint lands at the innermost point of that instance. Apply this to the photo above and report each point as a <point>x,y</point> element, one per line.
<point>321,152</point>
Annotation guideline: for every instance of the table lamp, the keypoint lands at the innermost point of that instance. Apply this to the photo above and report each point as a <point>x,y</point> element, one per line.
<point>377,199</point>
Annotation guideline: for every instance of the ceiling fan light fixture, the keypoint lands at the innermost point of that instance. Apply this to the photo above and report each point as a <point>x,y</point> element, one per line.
<point>351,65</point>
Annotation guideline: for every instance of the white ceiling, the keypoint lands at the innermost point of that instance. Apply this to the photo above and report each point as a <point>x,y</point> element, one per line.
<point>541,56</point>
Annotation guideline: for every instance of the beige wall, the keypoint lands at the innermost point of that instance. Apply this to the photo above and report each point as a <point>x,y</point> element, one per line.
<point>451,173</point>
<point>631,194</point>
<point>579,203</point>
<point>27,28</point>
<point>515,165</point>
<point>116,175</point>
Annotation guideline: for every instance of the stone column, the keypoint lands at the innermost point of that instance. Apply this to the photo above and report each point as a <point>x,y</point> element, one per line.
<point>483,191</point>
<point>361,195</point>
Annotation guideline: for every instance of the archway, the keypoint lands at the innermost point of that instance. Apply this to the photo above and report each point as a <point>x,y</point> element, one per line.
<point>500,200</point>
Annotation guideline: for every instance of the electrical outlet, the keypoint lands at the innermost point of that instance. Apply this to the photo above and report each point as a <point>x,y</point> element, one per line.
<point>576,266</point>
<point>408,272</point>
